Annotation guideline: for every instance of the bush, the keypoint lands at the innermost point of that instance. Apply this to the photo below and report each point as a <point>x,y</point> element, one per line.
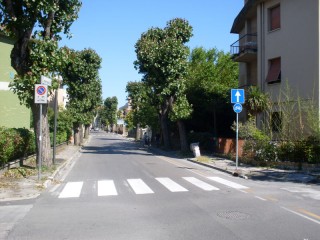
<point>15,143</point>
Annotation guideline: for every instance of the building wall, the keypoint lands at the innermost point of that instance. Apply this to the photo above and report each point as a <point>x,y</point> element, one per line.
<point>12,114</point>
<point>296,42</point>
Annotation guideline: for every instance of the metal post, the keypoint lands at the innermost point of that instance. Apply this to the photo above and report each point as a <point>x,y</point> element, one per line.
<point>40,145</point>
<point>237,131</point>
<point>55,126</point>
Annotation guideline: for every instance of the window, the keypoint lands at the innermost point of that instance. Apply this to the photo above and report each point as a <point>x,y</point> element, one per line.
<point>274,18</point>
<point>276,122</point>
<point>274,73</point>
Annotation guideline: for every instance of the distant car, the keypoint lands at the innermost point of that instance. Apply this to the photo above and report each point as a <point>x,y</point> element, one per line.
<point>96,129</point>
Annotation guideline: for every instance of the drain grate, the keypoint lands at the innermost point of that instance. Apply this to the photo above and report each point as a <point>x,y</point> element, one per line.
<point>233,215</point>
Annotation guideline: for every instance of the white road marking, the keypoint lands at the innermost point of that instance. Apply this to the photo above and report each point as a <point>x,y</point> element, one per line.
<point>260,198</point>
<point>306,192</point>
<point>228,183</point>
<point>203,185</point>
<point>106,188</point>
<point>301,215</point>
<point>139,187</point>
<point>71,190</point>
<point>171,185</point>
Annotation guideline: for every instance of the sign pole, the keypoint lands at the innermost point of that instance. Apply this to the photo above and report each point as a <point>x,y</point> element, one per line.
<point>237,97</point>
<point>237,135</point>
<point>40,145</point>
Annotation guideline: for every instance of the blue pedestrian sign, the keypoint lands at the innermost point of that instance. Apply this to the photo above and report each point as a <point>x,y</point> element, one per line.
<point>237,108</point>
<point>237,95</point>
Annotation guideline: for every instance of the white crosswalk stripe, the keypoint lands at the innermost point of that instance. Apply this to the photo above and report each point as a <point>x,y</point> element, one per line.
<point>139,186</point>
<point>171,185</point>
<point>203,185</point>
<point>228,183</point>
<point>108,187</point>
<point>71,190</point>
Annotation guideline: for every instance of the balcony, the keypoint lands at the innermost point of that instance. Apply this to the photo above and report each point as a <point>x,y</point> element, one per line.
<point>245,49</point>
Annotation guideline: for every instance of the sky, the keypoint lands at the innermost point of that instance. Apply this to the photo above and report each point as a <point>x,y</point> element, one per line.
<point>112,28</point>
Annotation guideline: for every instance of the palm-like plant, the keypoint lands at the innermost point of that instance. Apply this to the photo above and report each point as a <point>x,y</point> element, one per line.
<point>256,101</point>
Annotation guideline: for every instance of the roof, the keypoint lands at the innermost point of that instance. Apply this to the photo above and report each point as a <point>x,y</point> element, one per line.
<point>247,11</point>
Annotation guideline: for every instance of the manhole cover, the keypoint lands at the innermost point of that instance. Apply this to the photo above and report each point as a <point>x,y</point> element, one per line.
<point>233,215</point>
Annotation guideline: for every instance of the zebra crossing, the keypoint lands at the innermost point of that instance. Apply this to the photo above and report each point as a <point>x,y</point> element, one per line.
<point>138,186</point>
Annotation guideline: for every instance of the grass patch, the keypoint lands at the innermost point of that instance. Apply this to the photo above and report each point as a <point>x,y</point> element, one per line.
<point>203,159</point>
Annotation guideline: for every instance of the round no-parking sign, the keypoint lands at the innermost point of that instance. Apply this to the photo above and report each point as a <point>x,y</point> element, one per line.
<point>41,93</point>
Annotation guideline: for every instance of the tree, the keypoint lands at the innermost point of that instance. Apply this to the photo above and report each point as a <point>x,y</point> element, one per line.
<point>162,59</point>
<point>110,111</point>
<point>36,27</point>
<point>212,74</point>
<point>81,75</point>
<point>143,111</point>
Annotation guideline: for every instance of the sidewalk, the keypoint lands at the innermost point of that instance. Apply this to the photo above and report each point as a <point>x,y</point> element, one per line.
<point>260,173</point>
<point>12,189</point>
<point>250,172</point>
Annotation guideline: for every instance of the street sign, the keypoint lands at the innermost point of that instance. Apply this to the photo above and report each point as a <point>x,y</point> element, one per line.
<point>237,108</point>
<point>237,95</point>
<point>45,80</point>
<point>40,93</point>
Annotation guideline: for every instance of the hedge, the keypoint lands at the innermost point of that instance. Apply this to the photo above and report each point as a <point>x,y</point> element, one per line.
<point>15,143</point>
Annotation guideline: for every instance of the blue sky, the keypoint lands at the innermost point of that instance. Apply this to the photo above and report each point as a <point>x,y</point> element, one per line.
<point>112,27</point>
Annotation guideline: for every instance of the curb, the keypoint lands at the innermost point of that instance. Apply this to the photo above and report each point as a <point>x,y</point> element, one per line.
<point>233,173</point>
<point>57,171</point>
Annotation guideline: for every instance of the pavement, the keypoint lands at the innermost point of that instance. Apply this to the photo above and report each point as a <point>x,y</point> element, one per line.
<point>29,187</point>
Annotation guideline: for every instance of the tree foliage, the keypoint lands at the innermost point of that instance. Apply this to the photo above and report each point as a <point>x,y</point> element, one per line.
<point>162,59</point>
<point>36,26</point>
<point>109,111</point>
<point>143,110</point>
<point>212,74</point>
<point>81,75</point>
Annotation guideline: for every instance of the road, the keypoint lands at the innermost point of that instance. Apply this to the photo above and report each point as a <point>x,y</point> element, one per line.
<point>119,190</point>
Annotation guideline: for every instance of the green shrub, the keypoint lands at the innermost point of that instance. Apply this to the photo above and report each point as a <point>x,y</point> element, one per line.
<point>15,143</point>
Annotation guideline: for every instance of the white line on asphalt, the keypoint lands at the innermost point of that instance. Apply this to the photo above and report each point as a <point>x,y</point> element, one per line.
<point>260,198</point>
<point>139,187</point>
<point>106,188</point>
<point>228,183</point>
<point>301,215</point>
<point>71,190</point>
<point>203,185</point>
<point>171,185</point>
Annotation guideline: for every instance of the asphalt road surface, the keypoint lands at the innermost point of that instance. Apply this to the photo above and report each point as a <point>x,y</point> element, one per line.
<point>118,190</point>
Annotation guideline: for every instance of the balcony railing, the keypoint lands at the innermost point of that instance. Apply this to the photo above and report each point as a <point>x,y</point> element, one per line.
<point>245,49</point>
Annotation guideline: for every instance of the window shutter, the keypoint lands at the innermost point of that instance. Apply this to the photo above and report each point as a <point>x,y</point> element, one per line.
<point>274,70</point>
<point>275,18</point>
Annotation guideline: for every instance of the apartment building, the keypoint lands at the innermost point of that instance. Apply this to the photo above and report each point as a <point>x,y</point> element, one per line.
<point>278,45</point>
<point>12,113</point>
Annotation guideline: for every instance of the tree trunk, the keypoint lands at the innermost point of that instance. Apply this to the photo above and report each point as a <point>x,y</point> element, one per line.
<point>46,159</point>
<point>183,136</point>
<point>20,52</point>
<point>138,137</point>
<point>76,134</point>
<point>81,134</point>
<point>165,131</point>
<point>86,131</point>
